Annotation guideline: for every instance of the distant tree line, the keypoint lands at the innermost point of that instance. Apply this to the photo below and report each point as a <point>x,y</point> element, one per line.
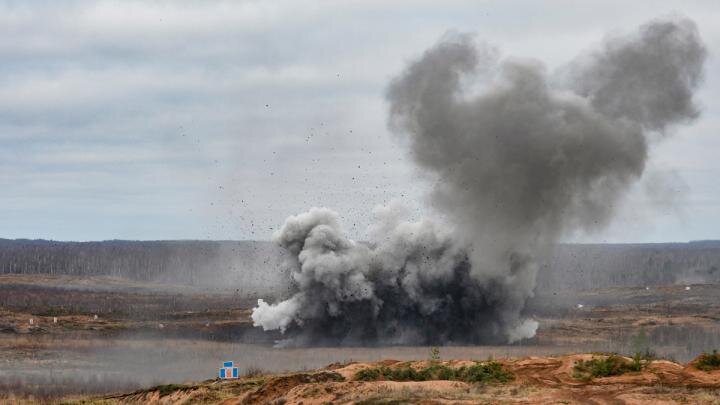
<point>185,262</point>
<point>610,265</point>
<point>258,263</point>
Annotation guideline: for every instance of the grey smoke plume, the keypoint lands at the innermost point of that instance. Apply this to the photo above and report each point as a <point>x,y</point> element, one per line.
<point>521,161</point>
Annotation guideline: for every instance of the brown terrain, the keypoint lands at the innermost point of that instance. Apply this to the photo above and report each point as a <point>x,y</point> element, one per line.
<point>104,340</point>
<point>536,380</point>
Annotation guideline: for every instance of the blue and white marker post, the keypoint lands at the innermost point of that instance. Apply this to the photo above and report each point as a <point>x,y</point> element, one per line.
<point>228,371</point>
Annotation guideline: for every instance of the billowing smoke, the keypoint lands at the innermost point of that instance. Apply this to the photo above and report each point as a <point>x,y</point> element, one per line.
<point>518,158</point>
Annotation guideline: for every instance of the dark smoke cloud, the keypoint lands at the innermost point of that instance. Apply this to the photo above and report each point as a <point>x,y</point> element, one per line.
<point>520,162</point>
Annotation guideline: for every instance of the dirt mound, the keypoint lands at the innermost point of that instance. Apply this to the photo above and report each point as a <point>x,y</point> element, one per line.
<point>277,387</point>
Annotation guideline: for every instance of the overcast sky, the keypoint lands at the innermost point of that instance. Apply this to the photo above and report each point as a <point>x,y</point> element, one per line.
<point>217,120</point>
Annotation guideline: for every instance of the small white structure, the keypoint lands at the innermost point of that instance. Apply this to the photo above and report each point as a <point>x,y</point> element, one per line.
<point>54,319</point>
<point>31,321</point>
<point>687,288</point>
<point>579,306</point>
<point>95,317</point>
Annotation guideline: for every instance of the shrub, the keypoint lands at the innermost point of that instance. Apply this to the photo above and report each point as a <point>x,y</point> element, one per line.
<point>640,344</point>
<point>608,366</point>
<point>639,361</point>
<point>254,371</point>
<point>708,361</point>
<point>647,354</point>
<point>435,354</point>
<point>368,374</point>
<point>488,372</point>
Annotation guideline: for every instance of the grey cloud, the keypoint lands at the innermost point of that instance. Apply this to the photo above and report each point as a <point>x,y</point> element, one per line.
<point>647,79</point>
<point>515,167</point>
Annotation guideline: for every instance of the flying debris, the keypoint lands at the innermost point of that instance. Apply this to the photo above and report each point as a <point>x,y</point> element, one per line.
<point>525,160</point>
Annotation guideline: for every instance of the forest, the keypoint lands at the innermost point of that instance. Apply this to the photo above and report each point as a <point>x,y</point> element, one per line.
<point>260,263</point>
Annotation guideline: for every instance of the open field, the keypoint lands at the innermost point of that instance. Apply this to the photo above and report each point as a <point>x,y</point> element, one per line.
<point>146,334</point>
